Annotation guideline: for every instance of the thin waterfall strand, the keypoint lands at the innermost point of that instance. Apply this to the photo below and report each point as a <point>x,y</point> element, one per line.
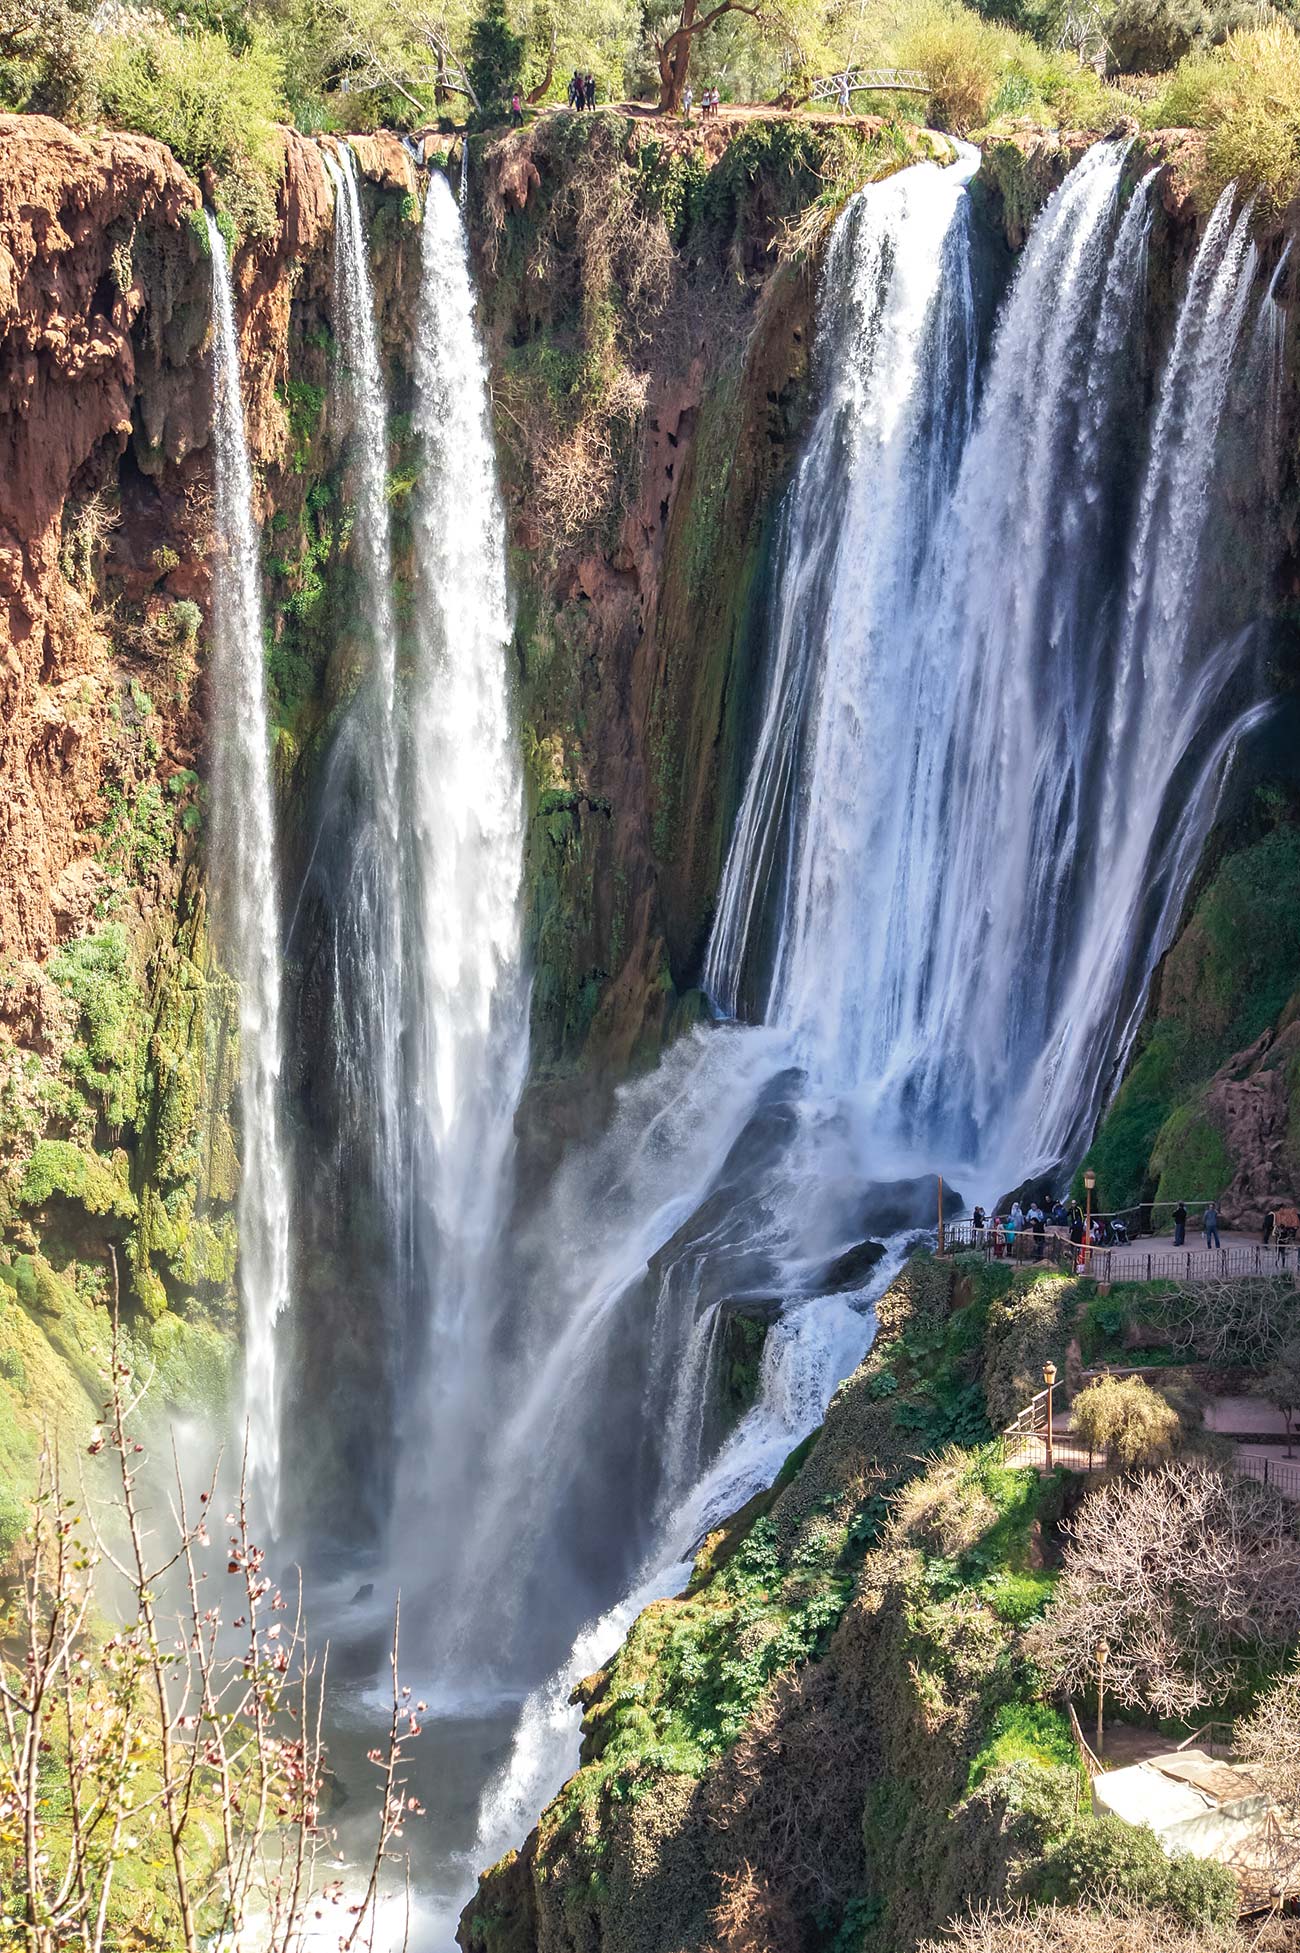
<point>470,1010</point>
<point>364,770</point>
<point>248,886</point>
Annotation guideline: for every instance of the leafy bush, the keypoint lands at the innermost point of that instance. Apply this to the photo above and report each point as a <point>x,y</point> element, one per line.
<point>495,54</point>
<point>215,109</point>
<point>1128,1420</point>
<point>98,976</point>
<point>963,56</point>
<point>1246,95</point>
<point>1104,1859</point>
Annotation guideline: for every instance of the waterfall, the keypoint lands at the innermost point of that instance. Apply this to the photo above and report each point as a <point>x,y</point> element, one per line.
<point>348,937</point>
<point>996,819</point>
<point>879,462</point>
<point>247,885</point>
<point>723,1183</point>
<point>469,1004</point>
<point>973,638</point>
<point>364,766</point>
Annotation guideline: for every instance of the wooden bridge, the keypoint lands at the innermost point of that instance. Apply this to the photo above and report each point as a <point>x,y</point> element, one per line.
<point>870,81</point>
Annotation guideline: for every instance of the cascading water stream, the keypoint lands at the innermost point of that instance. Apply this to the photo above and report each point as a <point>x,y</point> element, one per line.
<point>348,937</point>
<point>995,808</point>
<point>469,997</point>
<point>363,791</point>
<point>246,881</point>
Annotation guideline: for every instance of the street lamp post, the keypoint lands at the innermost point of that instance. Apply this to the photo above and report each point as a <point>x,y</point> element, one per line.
<point>1101,1651</point>
<point>1049,1378</point>
<point>1089,1181</point>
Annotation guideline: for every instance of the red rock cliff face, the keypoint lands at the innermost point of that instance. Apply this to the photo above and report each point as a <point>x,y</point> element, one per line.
<point>87,324</point>
<point>105,484</point>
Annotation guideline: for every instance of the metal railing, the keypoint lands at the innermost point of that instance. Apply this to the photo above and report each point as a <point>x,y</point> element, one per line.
<point>962,1237</point>
<point>1202,1264</point>
<point>1125,1263</point>
<point>1030,1448</point>
<point>1281,1473</point>
<point>870,81</point>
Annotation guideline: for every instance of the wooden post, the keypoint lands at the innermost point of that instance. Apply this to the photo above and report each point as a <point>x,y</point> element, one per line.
<point>941,1213</point>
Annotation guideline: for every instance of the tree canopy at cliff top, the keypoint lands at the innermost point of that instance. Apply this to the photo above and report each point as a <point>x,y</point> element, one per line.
<point>212,77</point>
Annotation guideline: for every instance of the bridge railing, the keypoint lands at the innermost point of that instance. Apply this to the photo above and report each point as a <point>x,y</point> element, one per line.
<point>870,81</point>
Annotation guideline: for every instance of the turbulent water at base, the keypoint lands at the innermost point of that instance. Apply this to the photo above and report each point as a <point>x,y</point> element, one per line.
<point>247,892</point>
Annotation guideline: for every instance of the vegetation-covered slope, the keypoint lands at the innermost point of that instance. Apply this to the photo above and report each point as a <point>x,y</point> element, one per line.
<point>845,1731</point>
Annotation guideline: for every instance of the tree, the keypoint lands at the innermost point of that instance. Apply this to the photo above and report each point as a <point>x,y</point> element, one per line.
<point>675,43</point>
<point>1187,1575</point>
<point>495,53</point>
<point>177,1737</point>
<point>1269,1740</point>
<point>1132,1423</point>
<point>1107,1927</point>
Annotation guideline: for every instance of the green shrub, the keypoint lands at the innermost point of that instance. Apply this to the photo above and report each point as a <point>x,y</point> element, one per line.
<point>1025,1732</point>
<point>214,108</point>
<point>1132,1423</point>
<point>46,58</point>
<point>1104,1858</point>
<point>57,1166</point>
<point>1018,1598</point>
<point>495,54</point>
<point>1246,96</point>
<point>963,56</point>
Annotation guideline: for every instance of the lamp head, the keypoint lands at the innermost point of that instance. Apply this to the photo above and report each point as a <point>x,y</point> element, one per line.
<point>1101,1651</point>
<point>1049,1374</point>
<point>1089,1178</point>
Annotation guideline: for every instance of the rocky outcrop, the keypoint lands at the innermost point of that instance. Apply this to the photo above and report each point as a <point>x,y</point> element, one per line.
<point>1250,1102</point>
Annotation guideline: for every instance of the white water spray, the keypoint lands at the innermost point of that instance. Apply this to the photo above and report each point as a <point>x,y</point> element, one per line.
<point>247,883</point>
<point>997,818</point>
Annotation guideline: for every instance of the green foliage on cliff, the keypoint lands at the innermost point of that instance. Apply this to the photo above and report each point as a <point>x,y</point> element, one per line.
<point>1228,978</point>
<point>215,107</point>
<point>846,1691</point>
<point>1104,1858</point>
<point>1246,95</point>
<point>99,977</point>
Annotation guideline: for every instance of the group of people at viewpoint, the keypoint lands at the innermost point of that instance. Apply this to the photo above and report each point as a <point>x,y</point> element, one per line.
<point>1105,1230</point>
<point>582,91</point>
<point>710,102</point>
<point>1003,1230</point>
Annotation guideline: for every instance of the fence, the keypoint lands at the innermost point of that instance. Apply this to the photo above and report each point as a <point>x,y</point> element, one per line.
<point>1201,1264</point>
<point>1030,1448</point>
<point>1282,1473</point>
<point>1127,1264</point>
<point>964,1238</point>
